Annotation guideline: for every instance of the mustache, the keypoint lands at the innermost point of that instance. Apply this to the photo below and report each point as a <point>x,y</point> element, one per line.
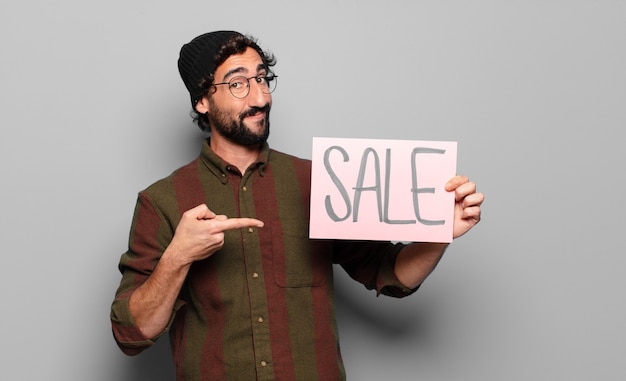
<point>254,110</point>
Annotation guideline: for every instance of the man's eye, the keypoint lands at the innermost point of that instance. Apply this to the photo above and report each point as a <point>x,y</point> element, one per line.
<point>235,85</point>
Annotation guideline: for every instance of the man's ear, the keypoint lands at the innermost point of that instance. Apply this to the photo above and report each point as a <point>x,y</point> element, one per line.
<point>202,107</point>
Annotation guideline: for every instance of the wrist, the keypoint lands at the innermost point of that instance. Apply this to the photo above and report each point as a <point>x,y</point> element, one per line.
<point>174,259</point>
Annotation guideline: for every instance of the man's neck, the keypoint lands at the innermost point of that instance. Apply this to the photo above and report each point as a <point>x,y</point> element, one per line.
<point>240,156</point>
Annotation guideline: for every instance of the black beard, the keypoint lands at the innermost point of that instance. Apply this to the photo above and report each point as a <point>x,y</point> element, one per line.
<point>236,132</point>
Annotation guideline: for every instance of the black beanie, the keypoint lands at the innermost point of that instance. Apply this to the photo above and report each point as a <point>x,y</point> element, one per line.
<point>197,60</point>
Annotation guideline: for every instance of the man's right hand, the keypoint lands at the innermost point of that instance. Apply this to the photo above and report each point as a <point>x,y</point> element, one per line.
<point>200,233</point>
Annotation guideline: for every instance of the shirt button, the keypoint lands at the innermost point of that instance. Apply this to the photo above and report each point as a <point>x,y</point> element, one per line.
<point>250,230</point>
<point>259,319</point>
<point>263,364</point>
<point>255,275</point>
<point>244,188</point>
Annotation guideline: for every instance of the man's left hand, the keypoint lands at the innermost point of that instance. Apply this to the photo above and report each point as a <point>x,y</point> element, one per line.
<point>467,204</point>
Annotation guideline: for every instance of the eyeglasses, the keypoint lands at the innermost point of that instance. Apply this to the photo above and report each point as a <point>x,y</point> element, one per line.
<point>239,86</point>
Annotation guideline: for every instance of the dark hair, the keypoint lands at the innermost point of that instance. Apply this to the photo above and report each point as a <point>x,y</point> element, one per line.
<point>236,45</point>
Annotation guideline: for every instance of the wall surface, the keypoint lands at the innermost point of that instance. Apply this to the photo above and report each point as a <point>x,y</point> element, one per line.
<point>534,92</point>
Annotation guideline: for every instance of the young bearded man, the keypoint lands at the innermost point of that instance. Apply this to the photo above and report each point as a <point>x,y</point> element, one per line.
<point>219,254</point>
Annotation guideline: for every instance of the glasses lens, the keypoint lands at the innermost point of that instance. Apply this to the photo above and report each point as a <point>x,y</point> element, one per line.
<point>269,84</point>
<point>239,87</point>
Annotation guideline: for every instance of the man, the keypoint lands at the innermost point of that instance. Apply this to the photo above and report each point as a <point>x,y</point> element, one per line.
<point>219,253</point>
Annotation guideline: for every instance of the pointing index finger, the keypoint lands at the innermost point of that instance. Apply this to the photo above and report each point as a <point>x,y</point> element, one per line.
<point>238,223</point>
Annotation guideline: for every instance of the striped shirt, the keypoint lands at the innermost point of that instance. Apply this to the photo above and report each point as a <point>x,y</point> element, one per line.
<point>261,308</point>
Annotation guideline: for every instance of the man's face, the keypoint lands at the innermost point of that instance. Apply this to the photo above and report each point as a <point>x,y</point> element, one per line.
<point>242,121</point>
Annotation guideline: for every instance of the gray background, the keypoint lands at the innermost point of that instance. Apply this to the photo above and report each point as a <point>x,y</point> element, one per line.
<point>93,110</point>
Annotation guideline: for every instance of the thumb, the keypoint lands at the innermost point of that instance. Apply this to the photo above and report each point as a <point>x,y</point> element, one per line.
<point>202,212</point>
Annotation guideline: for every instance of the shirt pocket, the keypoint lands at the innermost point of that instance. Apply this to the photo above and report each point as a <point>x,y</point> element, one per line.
<point>297,260</point>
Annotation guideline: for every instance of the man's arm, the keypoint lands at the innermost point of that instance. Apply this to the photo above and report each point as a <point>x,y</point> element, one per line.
<point>417,260</point>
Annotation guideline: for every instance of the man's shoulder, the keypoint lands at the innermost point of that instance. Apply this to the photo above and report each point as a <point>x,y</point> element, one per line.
<point>165,184</point>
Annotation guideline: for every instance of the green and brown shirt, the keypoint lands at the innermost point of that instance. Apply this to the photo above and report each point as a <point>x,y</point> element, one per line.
<point>261,308</point>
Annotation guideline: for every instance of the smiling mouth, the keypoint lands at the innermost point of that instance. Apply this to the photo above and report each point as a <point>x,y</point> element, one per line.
<point>256,113</point>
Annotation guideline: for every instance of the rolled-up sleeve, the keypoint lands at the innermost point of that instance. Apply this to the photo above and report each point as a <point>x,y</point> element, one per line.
<point>372,263</point>
<point>149,236</point>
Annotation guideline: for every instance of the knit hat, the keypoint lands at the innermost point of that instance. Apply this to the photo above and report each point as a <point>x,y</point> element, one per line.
<point>197,60</point>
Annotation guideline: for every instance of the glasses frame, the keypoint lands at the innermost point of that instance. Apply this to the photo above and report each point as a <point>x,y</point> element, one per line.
<point>268,78</point>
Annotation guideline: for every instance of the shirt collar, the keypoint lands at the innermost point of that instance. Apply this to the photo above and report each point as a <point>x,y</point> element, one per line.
<point>221,168</point>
